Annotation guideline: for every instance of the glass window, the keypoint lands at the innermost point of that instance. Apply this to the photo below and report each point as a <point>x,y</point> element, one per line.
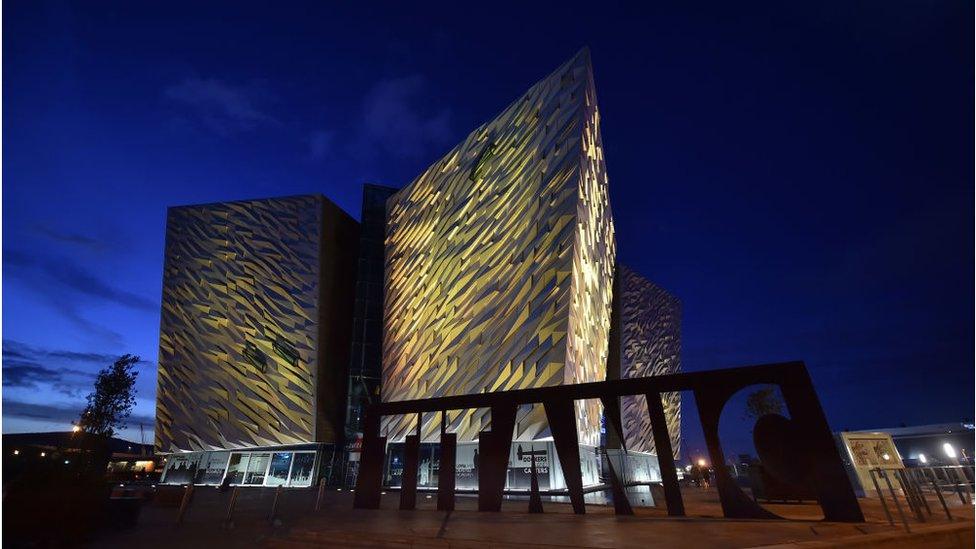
<point>256,468</point>
<point>238,465</point>
<point>301,471</point>
<point>278,472</point>
<point>180,469</point>
<point>212,468</point>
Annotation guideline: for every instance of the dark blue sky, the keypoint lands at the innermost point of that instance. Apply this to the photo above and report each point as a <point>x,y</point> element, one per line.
<point>799,174</point>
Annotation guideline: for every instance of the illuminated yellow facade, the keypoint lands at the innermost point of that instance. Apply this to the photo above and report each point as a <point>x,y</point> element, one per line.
<point>500,260</point>
<point>254,334</point>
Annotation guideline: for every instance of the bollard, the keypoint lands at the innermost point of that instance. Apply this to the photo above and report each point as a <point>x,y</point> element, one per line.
<point>184,503</point>
<point>318,499</point>
<point>229,518</point>
<point>274,506</point>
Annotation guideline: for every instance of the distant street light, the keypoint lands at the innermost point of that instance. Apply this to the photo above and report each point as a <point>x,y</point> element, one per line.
<point>701,462</point>
<point>922,458</point>
<point>75,428</point>
<point>43,454</point>
<point>16,452</point>
<point>949,450</point>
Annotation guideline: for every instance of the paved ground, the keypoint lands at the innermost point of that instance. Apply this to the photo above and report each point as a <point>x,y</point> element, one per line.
<point>338,525</point>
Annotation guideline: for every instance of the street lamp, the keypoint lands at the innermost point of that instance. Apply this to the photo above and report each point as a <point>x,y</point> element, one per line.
<point>701,462</point>
<point>75,428</point>
<point>949,450</point>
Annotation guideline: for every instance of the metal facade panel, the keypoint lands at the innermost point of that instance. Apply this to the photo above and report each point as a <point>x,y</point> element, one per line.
<point>239,362</point>
<point>650,345</point>
<point>499,262</point>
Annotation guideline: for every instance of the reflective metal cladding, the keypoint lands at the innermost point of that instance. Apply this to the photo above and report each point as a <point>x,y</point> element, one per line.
<point>254,335</point>
<point>650,345</point>
<point>499,262</point>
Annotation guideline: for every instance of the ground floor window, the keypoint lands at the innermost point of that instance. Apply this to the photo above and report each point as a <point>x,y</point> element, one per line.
<point>243,468</point>
<point>256,469</point>
<point>302,469</point>
<point>237,467</point>
<point>280,467</point>
<point>213,465</point>
<point>180,468</point>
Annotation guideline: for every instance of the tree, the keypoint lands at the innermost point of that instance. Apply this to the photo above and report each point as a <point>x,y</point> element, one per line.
<point>110,404</point>
<point>762,402</point>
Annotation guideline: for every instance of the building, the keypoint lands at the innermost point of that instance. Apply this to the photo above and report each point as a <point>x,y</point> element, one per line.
<point>500,264</point>
<point>941,444</point>
<point>495,269</point>
<point>922,445</point>
<point>254,339</point>
<point>365,360</point>
<point>499,261</point>
<point>645,342</point>
<point>934,444</point>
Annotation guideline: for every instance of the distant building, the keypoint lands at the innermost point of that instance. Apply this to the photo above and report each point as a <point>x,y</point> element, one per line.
<point>933,444</point>
<point>894,448</point>
<point>254,339</point>
<point>128,459</point>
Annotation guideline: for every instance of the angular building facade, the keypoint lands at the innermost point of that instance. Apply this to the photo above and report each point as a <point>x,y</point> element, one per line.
<point>254,337</point>
<point>649,322</point>
<point>500,260</point>
<point>495,269</point>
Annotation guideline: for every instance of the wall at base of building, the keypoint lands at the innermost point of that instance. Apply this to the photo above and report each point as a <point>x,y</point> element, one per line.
<point>296,466</point>
<point>634,466</point>
<point>548,466</point>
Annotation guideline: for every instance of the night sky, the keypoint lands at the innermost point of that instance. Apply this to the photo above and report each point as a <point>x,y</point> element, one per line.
<point>799,174</point>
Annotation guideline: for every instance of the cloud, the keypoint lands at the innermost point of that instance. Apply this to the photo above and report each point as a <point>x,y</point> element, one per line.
<point>222,108</point>
<point>57,412</point>
<point>13,349</point>
<point>71,276</point>
<point>394,121</point>
<point>26,366</point>
<point>70,373</point>
<point>28,374</point>
<point>109,239</point>
<point>70,238</point>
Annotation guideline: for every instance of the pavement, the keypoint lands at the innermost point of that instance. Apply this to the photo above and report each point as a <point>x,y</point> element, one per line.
<point>337,524</point>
